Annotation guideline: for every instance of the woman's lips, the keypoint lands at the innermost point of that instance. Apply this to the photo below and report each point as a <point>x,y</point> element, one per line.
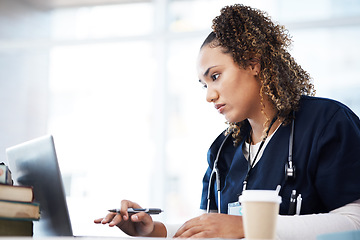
<point>220,107</point>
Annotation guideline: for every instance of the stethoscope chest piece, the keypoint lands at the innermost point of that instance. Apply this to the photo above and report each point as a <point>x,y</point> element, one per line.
<point>289,166</point>
<point>290,172</point>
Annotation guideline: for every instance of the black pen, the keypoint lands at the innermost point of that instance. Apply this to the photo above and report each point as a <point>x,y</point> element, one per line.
<point>137,210</point>
<point>292,205</point>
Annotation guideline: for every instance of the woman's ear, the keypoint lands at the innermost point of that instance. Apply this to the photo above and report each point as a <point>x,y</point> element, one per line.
<point>254,64</point>
<point>255,68</point>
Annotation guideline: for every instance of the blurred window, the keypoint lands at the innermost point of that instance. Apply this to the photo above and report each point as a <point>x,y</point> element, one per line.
<point>128,115</point>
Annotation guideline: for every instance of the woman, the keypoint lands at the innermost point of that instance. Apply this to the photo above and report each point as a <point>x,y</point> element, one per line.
<point>267,97</point>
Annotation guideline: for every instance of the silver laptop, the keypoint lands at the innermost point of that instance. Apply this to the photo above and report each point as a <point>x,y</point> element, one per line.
<point>34,163</point>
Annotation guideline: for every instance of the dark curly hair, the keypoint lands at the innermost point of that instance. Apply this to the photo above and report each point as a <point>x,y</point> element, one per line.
<point>250,36</point>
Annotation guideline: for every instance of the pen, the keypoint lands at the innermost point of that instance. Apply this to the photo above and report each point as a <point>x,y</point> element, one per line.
<point>137,210</point>
<point>292,205</point>
<point>298,204</point>
<point>278,188</point>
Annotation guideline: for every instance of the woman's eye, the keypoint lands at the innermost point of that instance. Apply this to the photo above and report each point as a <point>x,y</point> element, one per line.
<point>215,76</point>
<point>203,84</point>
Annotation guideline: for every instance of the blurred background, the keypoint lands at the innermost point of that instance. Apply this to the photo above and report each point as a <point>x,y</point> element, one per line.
<point>114,82</point>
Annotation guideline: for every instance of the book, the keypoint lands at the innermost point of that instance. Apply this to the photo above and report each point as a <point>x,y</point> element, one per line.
<point>5,174</point>
<point>10,227</point>
<point>19,210</point>
<point>16,193</point>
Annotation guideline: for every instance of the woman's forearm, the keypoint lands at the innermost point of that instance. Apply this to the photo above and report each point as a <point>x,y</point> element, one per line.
<point>345,218</point>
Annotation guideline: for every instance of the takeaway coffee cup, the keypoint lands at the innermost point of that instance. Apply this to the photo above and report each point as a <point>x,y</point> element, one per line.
<point>260,209</point>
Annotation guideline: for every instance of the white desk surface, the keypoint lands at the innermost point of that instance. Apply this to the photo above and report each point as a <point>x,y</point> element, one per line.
<point>78,237</point>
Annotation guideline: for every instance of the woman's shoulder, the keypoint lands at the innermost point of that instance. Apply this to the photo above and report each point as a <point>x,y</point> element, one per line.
<point>322,101</point>
<point>322,105</point>
<point>317,111</point>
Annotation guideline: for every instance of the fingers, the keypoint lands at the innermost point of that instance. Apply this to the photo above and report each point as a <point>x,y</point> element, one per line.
<point>98,220</point>
<point>117,219</point>
<point>194,232</point>
<point>143,223</point>
<point>107,219</point>
<point>125,204</point>
<point>139,224</point>
<point>111,218</point>
<point>141,217</point>
<point>123,210</point>
<point>114,219</point>
<point>188,228</point>
<point>212,226</point>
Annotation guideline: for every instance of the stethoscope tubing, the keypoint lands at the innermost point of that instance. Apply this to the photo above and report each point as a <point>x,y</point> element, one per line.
<point>216,172</point>
<point>289,169</point>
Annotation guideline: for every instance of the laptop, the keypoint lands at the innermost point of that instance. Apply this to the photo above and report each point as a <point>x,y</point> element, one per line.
<point>34,163</point>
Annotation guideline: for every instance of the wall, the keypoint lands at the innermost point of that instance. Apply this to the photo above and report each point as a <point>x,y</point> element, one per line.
<point>24,72</point>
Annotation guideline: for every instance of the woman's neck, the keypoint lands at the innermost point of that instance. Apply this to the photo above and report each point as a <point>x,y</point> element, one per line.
<point>257,126</point>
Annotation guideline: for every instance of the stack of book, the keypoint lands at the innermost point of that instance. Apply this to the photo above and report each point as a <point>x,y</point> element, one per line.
<point>17,208</point>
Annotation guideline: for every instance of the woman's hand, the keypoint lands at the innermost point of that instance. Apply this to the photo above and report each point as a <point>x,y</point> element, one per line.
<point>139,224</point>
<point>212,225</point>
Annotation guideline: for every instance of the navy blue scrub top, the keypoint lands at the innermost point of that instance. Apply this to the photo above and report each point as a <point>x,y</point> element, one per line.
<point>326,154</point>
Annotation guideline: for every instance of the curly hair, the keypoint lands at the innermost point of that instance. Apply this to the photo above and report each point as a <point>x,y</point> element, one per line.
<point>250,36</point>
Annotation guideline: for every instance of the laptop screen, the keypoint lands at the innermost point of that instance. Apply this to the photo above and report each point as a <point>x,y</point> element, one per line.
<point>34,163</point>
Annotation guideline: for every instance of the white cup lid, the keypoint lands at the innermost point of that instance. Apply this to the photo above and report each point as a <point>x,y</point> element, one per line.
<point>260,196</point>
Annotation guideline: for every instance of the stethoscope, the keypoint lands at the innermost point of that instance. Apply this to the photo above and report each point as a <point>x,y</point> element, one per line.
<point>289,169</point>
<point>216,173</point>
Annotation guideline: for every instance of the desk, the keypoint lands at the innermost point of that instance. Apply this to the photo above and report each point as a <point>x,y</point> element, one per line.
<point>79,237</point>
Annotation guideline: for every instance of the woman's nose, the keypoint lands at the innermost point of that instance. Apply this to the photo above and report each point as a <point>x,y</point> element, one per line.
<point>211,95</point>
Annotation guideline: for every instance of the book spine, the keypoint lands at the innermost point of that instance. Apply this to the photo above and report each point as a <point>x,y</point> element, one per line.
<point>19,210</point>
<point>16,193</point>
<point>13,227</point>
<point>20,202</point>
<point>19,219</point>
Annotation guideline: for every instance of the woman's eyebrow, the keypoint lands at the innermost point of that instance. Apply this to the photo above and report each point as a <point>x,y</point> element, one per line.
<point>207,71</point>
